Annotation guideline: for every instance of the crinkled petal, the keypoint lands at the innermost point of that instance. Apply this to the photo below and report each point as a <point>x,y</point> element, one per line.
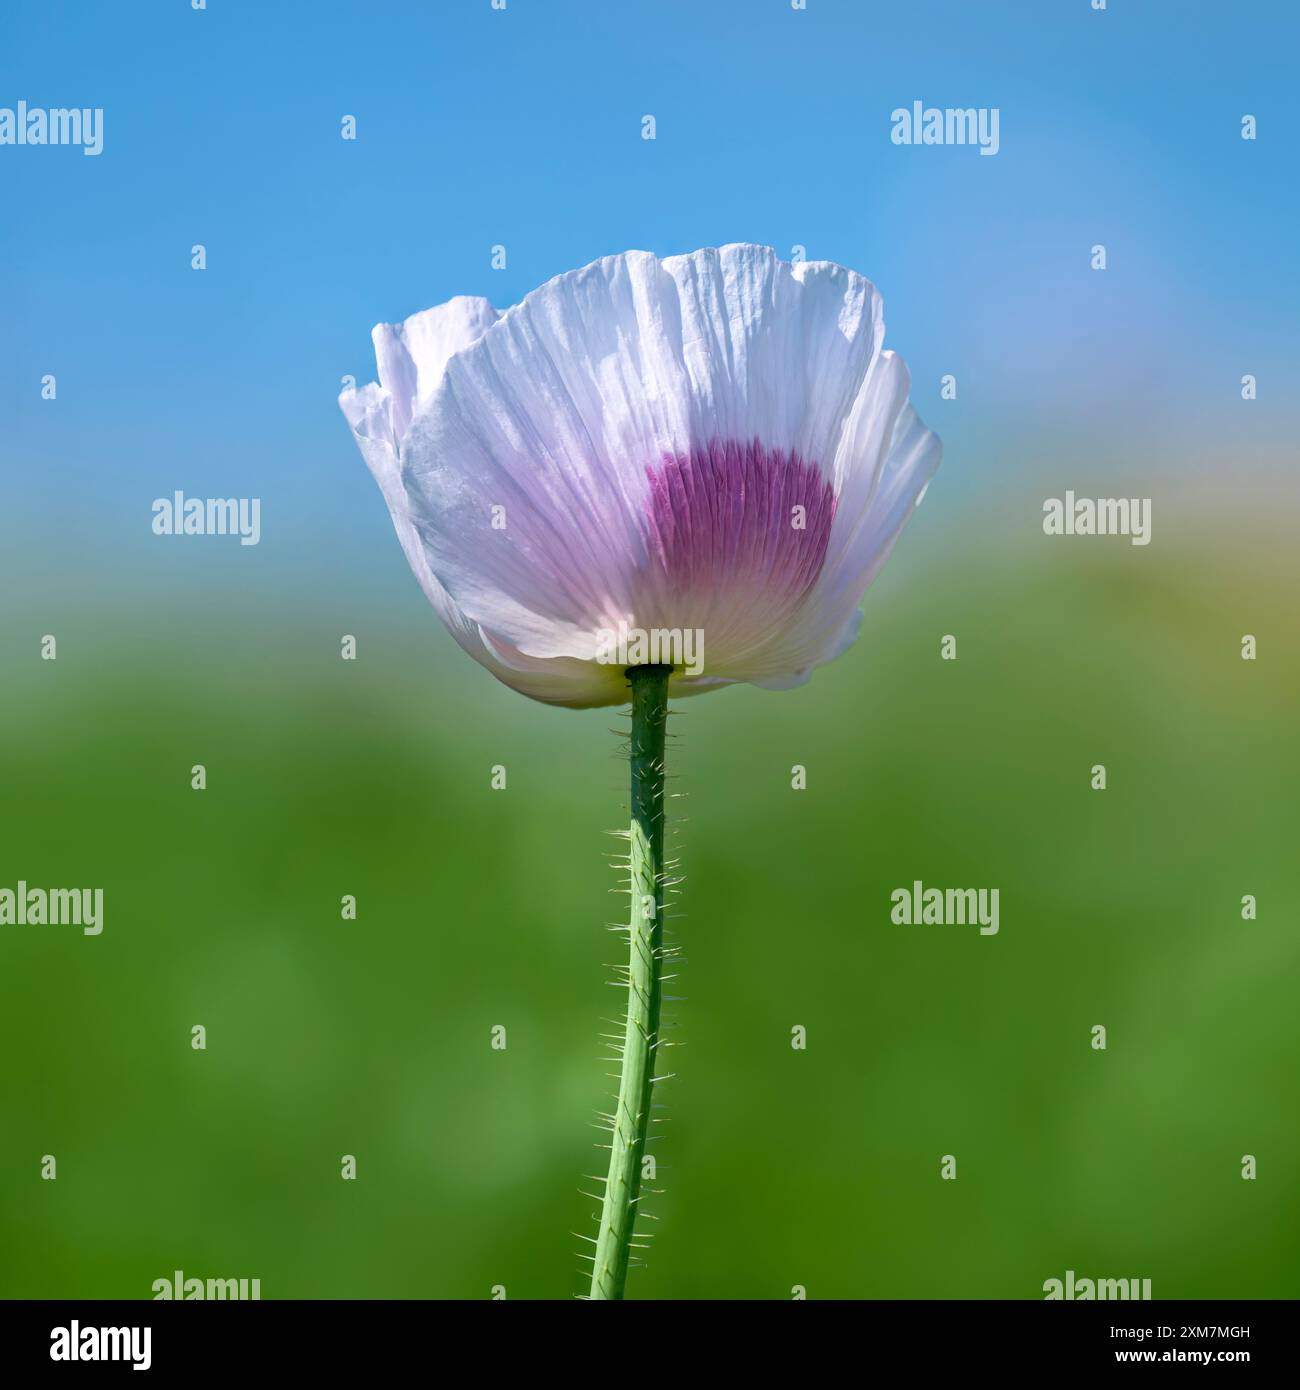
<point>411,360</point>
<point>412,355</point>
<point>556,421</point>
<point>713,442</point>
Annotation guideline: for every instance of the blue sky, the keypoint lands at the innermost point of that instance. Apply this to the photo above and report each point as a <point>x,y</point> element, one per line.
<point>523,128</point>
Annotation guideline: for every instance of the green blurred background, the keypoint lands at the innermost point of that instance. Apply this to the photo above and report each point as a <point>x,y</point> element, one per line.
<point>479,908</point>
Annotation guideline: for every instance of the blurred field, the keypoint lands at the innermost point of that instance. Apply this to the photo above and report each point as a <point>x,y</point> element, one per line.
<point>479,908</point>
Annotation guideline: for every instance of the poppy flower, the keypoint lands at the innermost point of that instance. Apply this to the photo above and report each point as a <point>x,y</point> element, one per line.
<point>649,478</point>
<point>714,444</point>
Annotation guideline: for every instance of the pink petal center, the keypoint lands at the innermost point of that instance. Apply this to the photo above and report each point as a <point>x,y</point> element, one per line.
<point>731,519</point>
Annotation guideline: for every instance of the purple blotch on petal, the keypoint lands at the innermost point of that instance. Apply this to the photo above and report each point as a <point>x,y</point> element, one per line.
<point>722,519</point>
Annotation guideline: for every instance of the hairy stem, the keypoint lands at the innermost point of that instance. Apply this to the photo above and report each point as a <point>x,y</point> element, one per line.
<point>645,931</point>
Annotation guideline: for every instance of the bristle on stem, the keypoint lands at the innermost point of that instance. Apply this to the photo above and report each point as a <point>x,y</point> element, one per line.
<point>646,883</point>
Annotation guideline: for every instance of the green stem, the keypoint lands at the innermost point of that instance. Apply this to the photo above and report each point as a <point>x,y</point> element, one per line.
<point>645,931</point>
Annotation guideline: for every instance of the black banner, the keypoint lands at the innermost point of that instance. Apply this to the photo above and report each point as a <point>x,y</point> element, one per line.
<point>168,1338</point>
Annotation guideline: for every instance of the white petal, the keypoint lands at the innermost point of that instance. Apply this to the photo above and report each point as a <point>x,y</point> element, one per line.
<point>412,355</point>
<point>411,359</point>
